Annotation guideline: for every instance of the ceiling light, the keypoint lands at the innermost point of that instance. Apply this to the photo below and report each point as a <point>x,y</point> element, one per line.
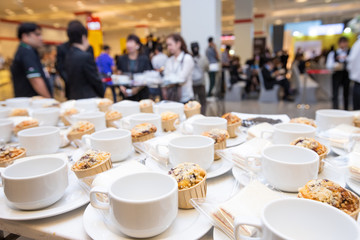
<point>255,9</point>
<point>278,21</point>
<point>9,12</point>
<point>162,19</point>
<point>168,13</point>
<point>347,30</point>
<point>56,25</point>
<point>297,34</point>
<point>28,10</point>
<point>300,1</point>
<point>328,1</point>
<point>149,15</point>
<point>53,8</point>
<point>128,1</point>
<point>80,4</point>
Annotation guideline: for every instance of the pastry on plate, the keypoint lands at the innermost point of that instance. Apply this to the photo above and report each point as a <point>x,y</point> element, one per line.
<point>314,145</point>
<point>65,116</point>
<point>220,136</point>
<point>192,108</point>
<point>30,123</point>
<point>304,120</point>
<point>91,163</point>
<point>79,129</point>
<point>191,179</point>
<point>331,193</point>
<point>233,123</point>
<point>105,104</point>
<point>143,132</point>
<point>8,154</point>
<point>146,106</point>
<point>168,120</point>
<point>17,112</point>
<point>111,116</point>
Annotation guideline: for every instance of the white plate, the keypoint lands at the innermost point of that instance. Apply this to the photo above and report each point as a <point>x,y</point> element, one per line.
<point>189,224</point>
<point>338,151</point>
<point>73,198</point>
<point>218,168</point>
<point>232,142</point>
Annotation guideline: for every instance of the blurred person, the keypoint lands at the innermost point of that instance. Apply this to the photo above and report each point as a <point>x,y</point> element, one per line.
<point>106,67</point>
<point>150,45</point>
<point>235,71</point>
<point>198,75</point>
<point>273,76</point>
<point>27,71</point>
<point>353,61</point>
<point>225,65</point>
<point>83,78</point>
<point>134,61</point>
<point>213,58</point>
<point>159,59</point>
<point>62,50</point>
<point>337,61</point>
<point>178,70</point>
<point>2,62</point>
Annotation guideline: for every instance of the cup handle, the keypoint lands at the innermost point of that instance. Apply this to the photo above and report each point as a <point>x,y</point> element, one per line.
<point>187,128</point>
<point>266,131</point>
<point>125,123</point>
<point>158,146</point>
<point>85,141</point>
<point>1,170</point>
<point>94,200</point>
<point>253,163</point>
<point>239,221</point>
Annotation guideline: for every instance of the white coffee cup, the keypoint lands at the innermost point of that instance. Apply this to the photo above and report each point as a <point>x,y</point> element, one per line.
<point>288,167</point>
<point>175,107</point>
<point>329,118</point>
<point>87,104</point>
<point>142,204</point>
<point>96,118</point>
<point>299,219</point>
<point>40,140</point>
<point>135,119</point>
<point>19,102</point>
<point>4,112</point>
<point>203,124</point>
<point>285,133</point>
<point>47,116</point>
<point>36,182</point>
<point>6,127</point>
<point>127,107</point>
<point>116,141</point>
<point>195,149</point>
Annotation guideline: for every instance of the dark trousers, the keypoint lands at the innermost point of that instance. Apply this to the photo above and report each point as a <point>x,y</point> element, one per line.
<point>200,92</point>
<point>285,85</point>
<point>356,96</point>
<point>212,77</point>
<point>340,78</point>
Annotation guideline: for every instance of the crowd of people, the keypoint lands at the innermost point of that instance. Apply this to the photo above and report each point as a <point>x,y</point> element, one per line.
<point>85,76</point>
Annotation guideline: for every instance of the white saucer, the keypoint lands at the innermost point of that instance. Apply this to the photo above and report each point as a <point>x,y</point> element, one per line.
<point>339,151</point>
<point>219,234</point>
<point>353,185</point>
<point>189,224</point>
<point>218,168</point>
<point>232,142</point>
<point>73,198</point>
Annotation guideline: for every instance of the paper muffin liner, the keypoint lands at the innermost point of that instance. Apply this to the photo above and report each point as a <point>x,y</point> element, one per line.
<point>65,120</point>
<point>8,162</point>
<point>104,108</point>
<point>232,129</point>
<point>85,174</point>
<point>191,112</point>
<point>74,136</point>
<point>147,109</point>
<point>109,122</point>
<point>143,138</point>
<point>168,125</point>
<point>219,146</point>
<point>357,122</point>
<point>197,191</point>
<point>16,130</point>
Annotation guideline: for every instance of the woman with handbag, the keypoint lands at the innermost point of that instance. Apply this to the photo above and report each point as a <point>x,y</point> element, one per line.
<point>178,70</point>
<point>214,67</point>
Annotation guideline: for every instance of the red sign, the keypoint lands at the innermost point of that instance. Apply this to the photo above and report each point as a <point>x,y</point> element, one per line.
<point>93,23</point>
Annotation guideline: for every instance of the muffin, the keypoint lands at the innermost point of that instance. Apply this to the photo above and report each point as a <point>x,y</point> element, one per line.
<point>357,121</point>
<point>220,136</point>
<point>192,108</point>
<point>233,122</point>
<point>111,116</point>
<point>30,123</point>
<point>146,106</point>
<point>18,112</point>
<point>304,120</point>
<point>191,180</point>
<point>314,145</point>
<point>326,191</point>
<point>143,132</point>
<point>105,104</point>
<point>168,120</point>
<point>64,117</point>
<point>91,163</point>
<point>79,129</point>
<point>8,154</point>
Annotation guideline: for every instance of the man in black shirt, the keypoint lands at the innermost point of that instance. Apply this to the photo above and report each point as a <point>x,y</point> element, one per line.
<point>27,71</point>
<point>83,79</point>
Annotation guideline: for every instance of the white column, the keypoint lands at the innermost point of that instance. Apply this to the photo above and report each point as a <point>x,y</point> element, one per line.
<point>201,19</point>
<point>243,29</point>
